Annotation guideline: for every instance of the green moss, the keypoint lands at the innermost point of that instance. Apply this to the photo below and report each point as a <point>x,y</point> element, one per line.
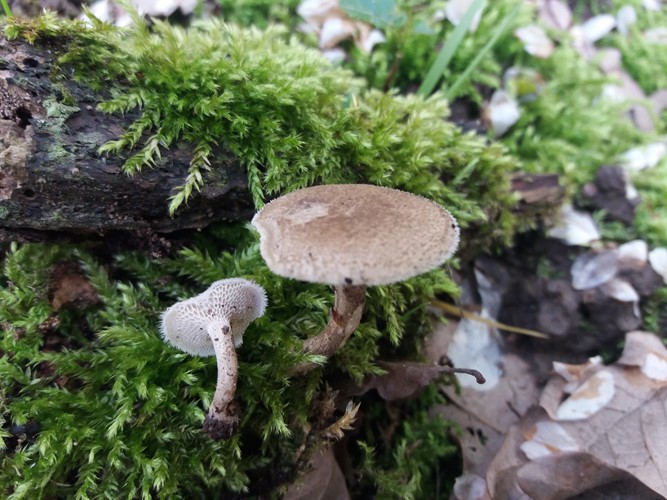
<point>120,414</point>
<point>651,220</point>
<point>406,462</point>
<point>655,312</point>
<point>546,270</point>
<point>642,59</point>
<point>4,212</point>
<point>291,118</point>
<point>259,13</point>
<point>568,128</point>
<point>119,411</point>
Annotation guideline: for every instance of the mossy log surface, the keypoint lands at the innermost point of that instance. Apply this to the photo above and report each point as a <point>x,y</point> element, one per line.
<point>55,186</point>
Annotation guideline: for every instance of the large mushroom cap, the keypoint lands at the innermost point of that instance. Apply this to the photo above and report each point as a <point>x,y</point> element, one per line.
<point>233,301</point>
<point>354,234</point>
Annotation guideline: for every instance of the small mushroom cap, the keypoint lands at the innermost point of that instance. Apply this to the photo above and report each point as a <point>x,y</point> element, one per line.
<point>234,302</point>
<point>354,234</point>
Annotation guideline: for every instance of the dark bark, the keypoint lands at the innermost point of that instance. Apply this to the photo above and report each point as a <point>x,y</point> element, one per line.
<point>55,186</point>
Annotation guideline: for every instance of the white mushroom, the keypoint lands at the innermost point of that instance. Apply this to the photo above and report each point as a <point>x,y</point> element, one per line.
<point>352,236</point>
<point>212,324</point>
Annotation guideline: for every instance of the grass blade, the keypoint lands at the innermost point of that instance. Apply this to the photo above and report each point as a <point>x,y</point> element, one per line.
<point>5,7</point>
<point>457,311</point>
<point>500,30</point>
<point>449,49</point>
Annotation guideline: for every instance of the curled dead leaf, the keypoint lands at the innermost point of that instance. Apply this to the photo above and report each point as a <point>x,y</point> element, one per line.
<point>625,17</point>
<point>68,286</point>
<point>633,254</point>
<point>546,438</point>
<point>589,398</point>
<point>580,475</point>
<point>643,157</point>
<point>338,428</point>
<point>646,351</point>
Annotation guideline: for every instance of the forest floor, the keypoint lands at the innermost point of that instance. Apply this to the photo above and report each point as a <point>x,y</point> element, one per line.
<point>568,323</point>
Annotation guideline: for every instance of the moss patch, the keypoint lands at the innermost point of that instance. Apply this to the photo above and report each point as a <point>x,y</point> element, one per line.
<point>121,411</point>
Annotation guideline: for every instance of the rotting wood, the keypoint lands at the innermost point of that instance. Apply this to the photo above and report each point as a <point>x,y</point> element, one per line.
<point>55,186</point>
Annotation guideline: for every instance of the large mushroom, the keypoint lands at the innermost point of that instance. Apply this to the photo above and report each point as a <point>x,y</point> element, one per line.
<point>352,236</point>
<point>212,324</point>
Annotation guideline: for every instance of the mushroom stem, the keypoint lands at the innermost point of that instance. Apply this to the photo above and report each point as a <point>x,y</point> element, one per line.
<point>223,417</point>
<point>343,321</point>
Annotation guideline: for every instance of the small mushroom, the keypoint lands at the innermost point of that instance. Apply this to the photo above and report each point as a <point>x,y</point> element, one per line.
<point>352,236</point>
<point>213,323</point>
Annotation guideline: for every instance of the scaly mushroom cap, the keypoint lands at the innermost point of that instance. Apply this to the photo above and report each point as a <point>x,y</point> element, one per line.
<point>238,300</point>
<point>354,234</point>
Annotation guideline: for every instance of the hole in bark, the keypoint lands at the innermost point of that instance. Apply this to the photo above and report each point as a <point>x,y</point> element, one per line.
<point>23,117</point>
<point>31,62</point>
<point>28,193</point>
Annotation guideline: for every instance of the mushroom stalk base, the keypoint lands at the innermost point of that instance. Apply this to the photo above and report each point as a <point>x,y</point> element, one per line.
<point>343,321</point>
<point>223,416</point>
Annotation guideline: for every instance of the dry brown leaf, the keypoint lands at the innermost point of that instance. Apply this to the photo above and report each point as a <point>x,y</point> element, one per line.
<point>470,487</point>
<point>639,346</point>
<point>501,476</point>
<point>597,27</point>
<point>332,26</point>
<point>324,481</point>
<point>338,428</point>
<point>622,441</point>
<point>642,157</point>
<point>572,474</point>
<point>69,286</point>
<point>485,416</point>
<point>625,18</point>
<point>591,270</point>
<point>575,227</point>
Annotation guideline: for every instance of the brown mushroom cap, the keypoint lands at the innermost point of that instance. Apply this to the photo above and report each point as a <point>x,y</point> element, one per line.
<point>354,234</point>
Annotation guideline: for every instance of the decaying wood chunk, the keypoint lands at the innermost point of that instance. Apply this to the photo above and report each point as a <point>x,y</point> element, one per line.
<point>55,186</point>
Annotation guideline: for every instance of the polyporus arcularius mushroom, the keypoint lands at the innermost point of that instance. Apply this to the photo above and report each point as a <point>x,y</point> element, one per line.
<point>352,236</point>
<point>212,324</point>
